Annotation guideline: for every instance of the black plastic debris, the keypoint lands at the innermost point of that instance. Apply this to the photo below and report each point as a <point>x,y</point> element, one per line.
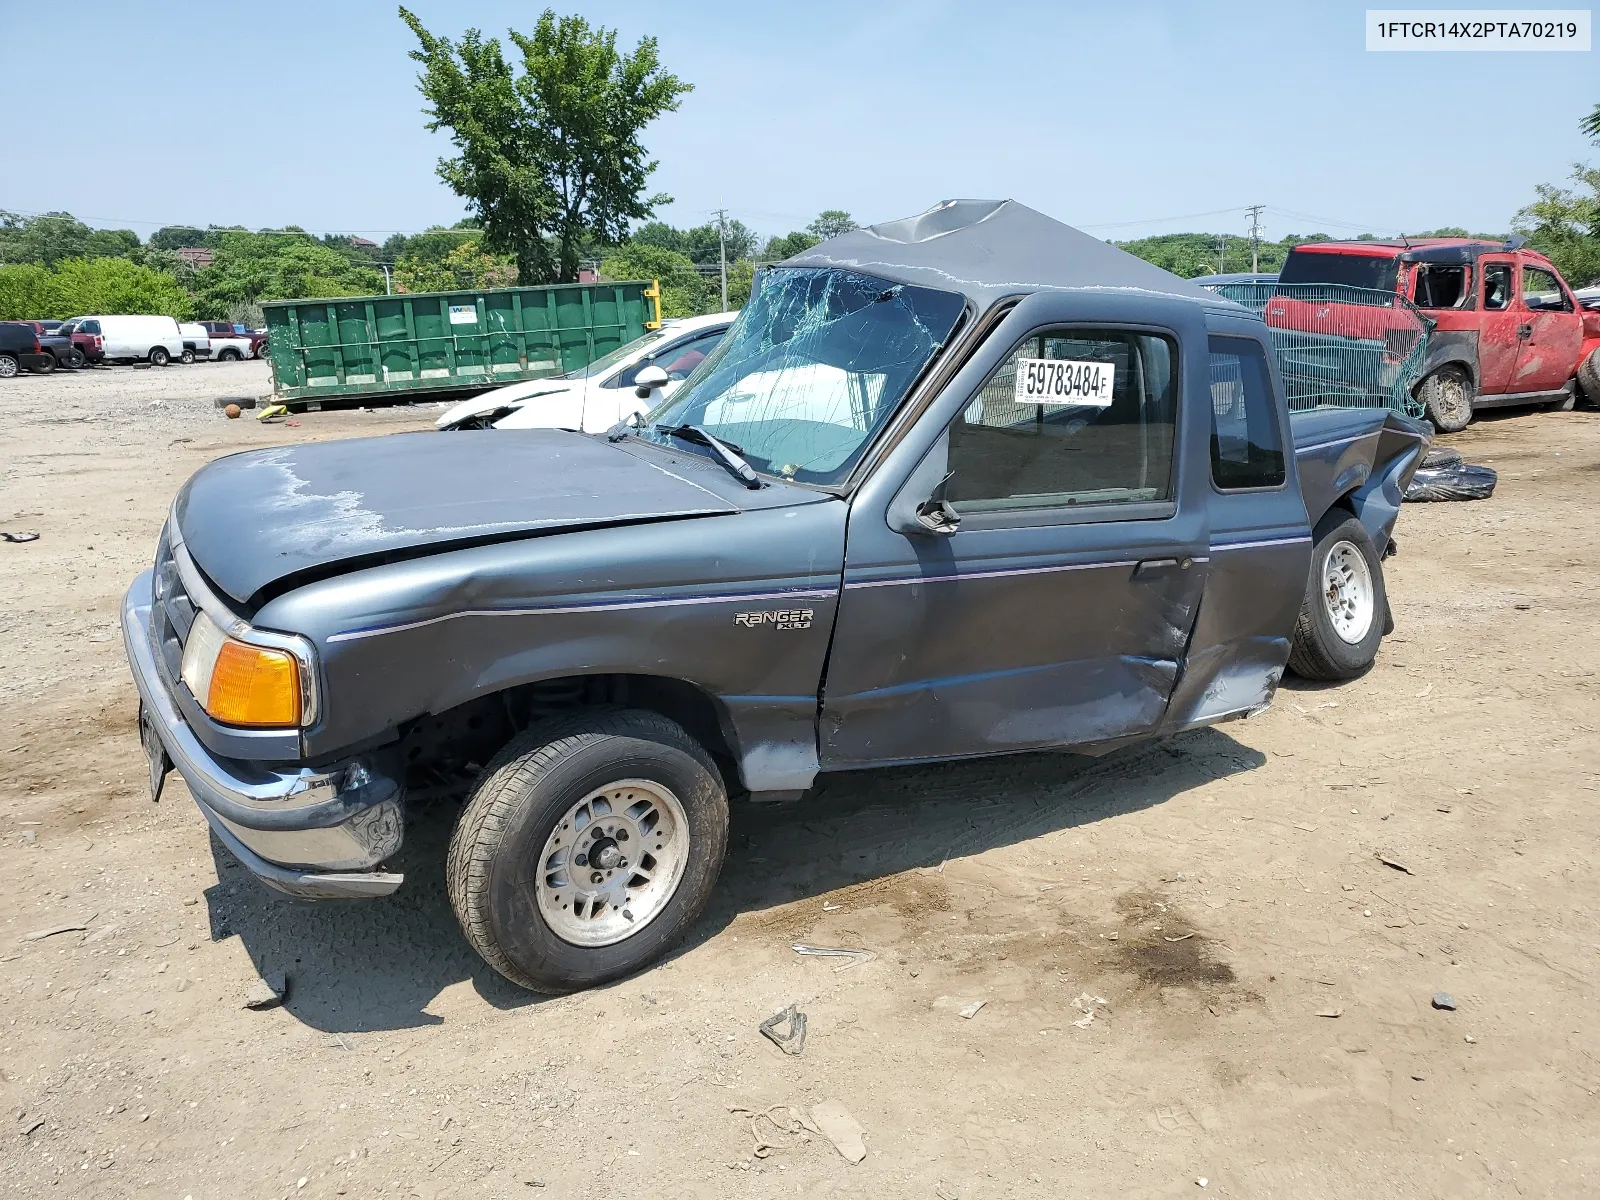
<point>1442,456</point>
<point>1459,481</point>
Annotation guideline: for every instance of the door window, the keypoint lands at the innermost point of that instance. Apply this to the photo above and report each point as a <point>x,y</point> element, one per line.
<point>1072,417</point>
<point>1497,287</point>
<point>90,327</point>
<point>1542,292</point>
<point>1246,441</point>
<point>1441,286</point>
<point>677,360</point>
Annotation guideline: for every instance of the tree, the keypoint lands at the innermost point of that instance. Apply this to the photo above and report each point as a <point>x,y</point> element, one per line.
<point>788,246</point>
<point>703,245</point>
<point>831,224</point>
<point>25,293</point>
<point>278,265</point>
<point>1591,124</point>
<point>683,292</point>
<point>659,233</point>
<point>551,153</point>
<point>467,266</point>
<point>1564,225</point>
<point>54,237</point>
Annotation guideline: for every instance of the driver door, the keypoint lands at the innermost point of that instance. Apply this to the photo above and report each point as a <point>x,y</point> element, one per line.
<point>1057,611</point>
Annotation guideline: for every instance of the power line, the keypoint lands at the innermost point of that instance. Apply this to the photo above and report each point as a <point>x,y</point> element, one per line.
<point>1255,237</point>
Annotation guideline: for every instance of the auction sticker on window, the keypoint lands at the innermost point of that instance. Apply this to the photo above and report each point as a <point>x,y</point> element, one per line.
<point>1064,381</point>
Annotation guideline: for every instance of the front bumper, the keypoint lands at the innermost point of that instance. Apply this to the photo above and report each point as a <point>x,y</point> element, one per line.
<point>304,832</point>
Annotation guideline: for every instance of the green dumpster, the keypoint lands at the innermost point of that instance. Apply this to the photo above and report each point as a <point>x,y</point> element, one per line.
<point>438,343</point>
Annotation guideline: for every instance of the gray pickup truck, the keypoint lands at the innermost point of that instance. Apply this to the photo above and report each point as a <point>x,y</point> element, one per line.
<point>964,484</point>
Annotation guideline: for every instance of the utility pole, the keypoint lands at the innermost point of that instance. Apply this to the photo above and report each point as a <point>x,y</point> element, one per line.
<point>1222,254</point>
<point>388,287</point>
<point>1255,237</point>
<point>722,252</point>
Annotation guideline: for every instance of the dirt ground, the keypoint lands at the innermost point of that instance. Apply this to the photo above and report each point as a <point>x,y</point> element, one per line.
<point>1260,983</point>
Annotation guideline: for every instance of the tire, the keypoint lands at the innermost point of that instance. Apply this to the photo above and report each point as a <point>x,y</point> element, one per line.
<point>1326,648</point>
<point>188,358</point>
<point>47,366</point>
<point>9,366</point>
<point>1589,379</point>
<point>1447,394</point>
<point>76,360</point>
<point>261,351</point>
<point>535,792</point>
<point>159,356</point>
<point>229,355</point>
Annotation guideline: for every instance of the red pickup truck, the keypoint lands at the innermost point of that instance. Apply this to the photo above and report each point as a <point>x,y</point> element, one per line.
<point>1507,329</point>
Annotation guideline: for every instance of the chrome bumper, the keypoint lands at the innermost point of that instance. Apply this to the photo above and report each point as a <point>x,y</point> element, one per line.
<point>306,833</point>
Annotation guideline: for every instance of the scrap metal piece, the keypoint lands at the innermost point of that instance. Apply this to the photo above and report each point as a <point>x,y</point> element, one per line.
<point>791,1041</point>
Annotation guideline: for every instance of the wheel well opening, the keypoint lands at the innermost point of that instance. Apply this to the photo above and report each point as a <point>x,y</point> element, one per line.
<point>443,753</point>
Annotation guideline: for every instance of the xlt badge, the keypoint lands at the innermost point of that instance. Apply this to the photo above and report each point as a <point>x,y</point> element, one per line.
<point>782,618</point>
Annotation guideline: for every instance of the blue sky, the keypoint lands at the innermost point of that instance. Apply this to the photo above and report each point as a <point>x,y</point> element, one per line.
<point>1110,117</point>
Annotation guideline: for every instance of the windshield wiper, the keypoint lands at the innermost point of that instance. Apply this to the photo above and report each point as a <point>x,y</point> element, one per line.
<point>725,453</point>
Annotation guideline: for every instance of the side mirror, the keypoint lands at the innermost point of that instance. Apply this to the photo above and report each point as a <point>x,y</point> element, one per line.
<point>935,514</point>
<point>648,379</point>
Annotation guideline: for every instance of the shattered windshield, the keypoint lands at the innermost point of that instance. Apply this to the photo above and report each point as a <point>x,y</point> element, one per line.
<point>604,363</point>
<point>811,370</point>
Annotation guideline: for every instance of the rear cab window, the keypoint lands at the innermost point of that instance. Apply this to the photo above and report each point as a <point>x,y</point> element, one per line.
<point>1375,271</point>
<point>1246,438</point>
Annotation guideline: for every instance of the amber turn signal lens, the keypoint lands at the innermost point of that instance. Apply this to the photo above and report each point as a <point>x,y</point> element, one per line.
<point>254,687</point>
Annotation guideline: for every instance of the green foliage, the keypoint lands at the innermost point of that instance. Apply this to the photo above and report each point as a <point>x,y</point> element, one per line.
<point>741,279</point>
<point>287,265</point>
<point>830,224</point>
<point>54,237</point>
<point>1591,124</point>
<point>182,237</point>
<point>26,293</point>
<point>701,243</point>
<point>466,266</point>
<point>788,246</point>
<point>1564,225</point>
<point>683,292</point>
<point>1192,254</point>
<point>79,286</point>
<point>550,155</point>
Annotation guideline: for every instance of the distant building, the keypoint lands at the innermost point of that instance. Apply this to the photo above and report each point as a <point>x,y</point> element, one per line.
<point>588,275</point>
<point>361,243</point>
<point>196,256</point>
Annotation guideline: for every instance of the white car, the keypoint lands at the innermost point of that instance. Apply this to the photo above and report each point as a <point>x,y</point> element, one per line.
<point>596,397</point>
<point>136,338</point>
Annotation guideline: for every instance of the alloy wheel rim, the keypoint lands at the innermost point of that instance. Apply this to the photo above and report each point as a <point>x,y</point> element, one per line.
<point>1347,591</point>
<point>613,862</point>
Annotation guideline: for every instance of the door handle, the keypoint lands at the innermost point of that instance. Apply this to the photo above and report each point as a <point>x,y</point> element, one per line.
<point>1524,332</point>
<point>1152,567</point>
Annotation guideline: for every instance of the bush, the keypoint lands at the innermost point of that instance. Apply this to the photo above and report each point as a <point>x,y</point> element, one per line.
<point>90,285</point>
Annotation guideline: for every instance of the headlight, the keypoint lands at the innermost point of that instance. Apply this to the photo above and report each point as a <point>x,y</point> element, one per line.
<point>240,684</point>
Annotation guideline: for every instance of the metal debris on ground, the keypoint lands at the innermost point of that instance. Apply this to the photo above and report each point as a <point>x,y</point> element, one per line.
<point>268,991</point>
<point>40,934</point>
<point>1445,1001</point>
<point>793,1039</point>
<point>1390,861</point>
<point>1332,1013</point>
<point>972,1009</point>
<point>836,1124</point>
<point>21,535</point>
<point>790,1123</point>
<point>854,955</point>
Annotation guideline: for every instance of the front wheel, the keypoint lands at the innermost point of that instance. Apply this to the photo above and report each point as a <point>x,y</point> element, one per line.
<point>261,351</point>
<point>1589,378</point>
<point>9,366</point>
<point>589,847</point>
<point>1447,395</point>
<point>1342,616</point>
<point>159,356</point>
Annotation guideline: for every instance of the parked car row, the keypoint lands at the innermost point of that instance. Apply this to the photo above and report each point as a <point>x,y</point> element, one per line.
<point>42,346</point>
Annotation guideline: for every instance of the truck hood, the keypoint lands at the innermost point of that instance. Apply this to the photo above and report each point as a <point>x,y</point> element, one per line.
<point>257,519</point>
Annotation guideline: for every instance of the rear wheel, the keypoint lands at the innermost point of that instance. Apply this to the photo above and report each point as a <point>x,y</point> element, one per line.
<point>9,366</point>
<point>589,847</point>
<point>188,357</point>
<point>76,359</point>
<point>1447,394</point>
<point>1589,378</point>
<point>1344,613</point>
<point>47,366</point>
<point>229,355</point>
<point>159,356</point>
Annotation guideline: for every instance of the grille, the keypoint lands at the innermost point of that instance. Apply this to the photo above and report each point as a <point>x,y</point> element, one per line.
<point>171,609</point>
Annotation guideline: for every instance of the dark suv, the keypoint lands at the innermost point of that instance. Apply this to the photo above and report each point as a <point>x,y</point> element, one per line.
<point>20,349</point>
